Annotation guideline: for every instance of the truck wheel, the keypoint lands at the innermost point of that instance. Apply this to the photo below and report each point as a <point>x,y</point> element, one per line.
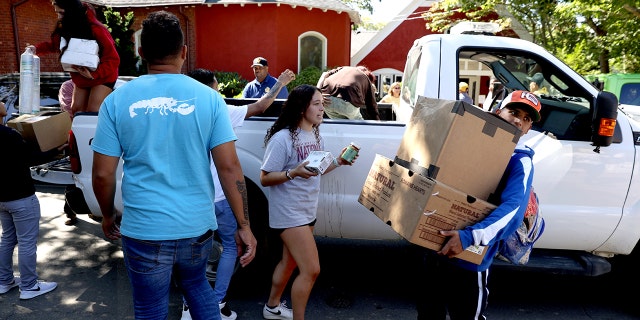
<point>269,248</point>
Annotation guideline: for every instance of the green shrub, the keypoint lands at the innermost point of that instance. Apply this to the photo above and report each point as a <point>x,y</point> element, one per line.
<point>230,84</point>
<point>309,75</point>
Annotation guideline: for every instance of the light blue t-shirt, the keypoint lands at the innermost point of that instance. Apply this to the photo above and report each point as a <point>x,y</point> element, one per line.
<point>164,127</point>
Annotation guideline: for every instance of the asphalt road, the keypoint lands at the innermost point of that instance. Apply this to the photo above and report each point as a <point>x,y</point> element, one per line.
<point>359,280</point>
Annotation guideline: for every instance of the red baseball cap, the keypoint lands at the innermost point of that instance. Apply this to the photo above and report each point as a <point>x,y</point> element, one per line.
<point>525,100</point>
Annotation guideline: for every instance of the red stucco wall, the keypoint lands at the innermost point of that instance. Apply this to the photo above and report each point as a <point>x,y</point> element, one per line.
<point>228,38</point>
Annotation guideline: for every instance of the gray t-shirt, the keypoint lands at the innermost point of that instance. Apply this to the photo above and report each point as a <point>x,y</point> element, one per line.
<point>292,203</point>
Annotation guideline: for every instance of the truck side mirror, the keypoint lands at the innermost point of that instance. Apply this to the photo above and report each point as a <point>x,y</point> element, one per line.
<point>604,119</point>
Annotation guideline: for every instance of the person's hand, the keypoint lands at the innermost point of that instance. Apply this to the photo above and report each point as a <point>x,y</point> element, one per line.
<point>326,101</point>
<point>250,244</point>
<point>110,227</point>
<point>286,77</point>
<point>83,71</point>
<point>343,162</point>
<point>3,110</point>
<point>302,172</point>
<point>453,246</point>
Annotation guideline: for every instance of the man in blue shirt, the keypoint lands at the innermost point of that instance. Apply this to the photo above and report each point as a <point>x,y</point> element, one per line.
<point>263,82</point>
<point>167,127</point>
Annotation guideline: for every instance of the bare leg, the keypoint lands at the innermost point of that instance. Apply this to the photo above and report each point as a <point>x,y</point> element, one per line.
<point>79,100</point>
<point>281,275</point>
<point>302,248</point>
<point>97,95</point>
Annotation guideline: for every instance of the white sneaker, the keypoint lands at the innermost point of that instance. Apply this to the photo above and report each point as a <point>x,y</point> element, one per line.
<point>279,312</point>
<point>4,288</point>
<point>40,288</point>
<point>226,313</point>
<point>185,312</point>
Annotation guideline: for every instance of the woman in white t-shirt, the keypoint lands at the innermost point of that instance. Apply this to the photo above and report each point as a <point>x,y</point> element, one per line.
<point>293,197</point>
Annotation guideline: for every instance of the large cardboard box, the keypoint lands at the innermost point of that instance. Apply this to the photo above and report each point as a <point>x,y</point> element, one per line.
<point>48,129</point>
<point>457,144</point>
<point>417,207</point>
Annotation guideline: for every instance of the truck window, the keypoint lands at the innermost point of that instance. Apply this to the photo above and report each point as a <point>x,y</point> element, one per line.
<point>630,94</point>
<point>566,111</point>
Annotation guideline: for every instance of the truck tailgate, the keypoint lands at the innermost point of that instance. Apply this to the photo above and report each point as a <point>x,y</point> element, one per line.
<point>55,172</point>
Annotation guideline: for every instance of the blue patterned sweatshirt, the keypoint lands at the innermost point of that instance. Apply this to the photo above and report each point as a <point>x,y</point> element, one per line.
<point>513,192</point>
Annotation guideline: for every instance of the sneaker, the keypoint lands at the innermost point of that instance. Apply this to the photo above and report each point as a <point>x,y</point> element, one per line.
<point>4,288</point>
<point>226,313</point>
<point>40,288</point>
<point>185,312</point>
<point>279,312</point>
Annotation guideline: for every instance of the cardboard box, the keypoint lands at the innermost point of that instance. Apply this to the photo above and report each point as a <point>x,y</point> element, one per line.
<point>48,129</point>
<point>417,207</point>
<point>457,144</point>
<point>319,161</point>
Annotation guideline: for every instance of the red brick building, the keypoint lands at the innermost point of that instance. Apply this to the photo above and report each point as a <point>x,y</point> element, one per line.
<point>222,35</point>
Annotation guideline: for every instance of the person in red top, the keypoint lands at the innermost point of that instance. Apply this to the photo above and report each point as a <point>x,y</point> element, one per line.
<point>78,20</point>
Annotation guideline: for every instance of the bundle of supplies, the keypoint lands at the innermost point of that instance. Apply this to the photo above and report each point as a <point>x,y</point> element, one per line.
<point>80,52</point>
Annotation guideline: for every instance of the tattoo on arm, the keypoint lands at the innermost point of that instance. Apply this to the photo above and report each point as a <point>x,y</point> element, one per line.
<point>242,188</point>
<point>274,90</point>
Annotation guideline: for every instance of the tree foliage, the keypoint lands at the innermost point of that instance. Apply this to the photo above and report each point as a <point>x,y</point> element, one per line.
<point>120,27</point>
<point>591,36</point>
<point>361,4</point>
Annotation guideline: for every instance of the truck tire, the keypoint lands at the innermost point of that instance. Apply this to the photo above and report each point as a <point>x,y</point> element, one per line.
<point>269,248</point>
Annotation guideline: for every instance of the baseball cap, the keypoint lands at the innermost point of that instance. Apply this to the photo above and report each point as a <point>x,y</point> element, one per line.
<point>525,100</point>
<point>463,86</point>
<point>260,61</point>
<point>537,78</point>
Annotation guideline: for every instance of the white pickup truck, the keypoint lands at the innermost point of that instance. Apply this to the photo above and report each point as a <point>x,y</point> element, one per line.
<point>588,184</point>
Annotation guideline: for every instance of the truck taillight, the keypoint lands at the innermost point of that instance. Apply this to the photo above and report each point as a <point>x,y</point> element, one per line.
<point>607,127</point>
<point>74,156</point>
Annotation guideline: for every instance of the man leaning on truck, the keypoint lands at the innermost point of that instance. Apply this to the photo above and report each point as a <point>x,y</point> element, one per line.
<point>349,93</point>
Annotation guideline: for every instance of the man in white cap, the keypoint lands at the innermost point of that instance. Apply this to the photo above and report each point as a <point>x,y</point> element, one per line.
<point>463,92</point>
<point>463,285</point>
<point>263,82</point>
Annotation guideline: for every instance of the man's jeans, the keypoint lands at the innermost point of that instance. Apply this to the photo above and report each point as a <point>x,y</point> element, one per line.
<point>340,109</point>
<point>227,227</point>
<point>150,265</point>
<point>20,226</point>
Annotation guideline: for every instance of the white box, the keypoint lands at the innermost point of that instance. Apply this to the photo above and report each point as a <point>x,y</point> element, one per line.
<point>83,46</point>
<point>319,161</point>
<point>70,58</point>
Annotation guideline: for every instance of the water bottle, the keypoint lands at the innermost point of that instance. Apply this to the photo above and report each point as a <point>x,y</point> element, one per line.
<point>25,97</point>
<point>35,106</point>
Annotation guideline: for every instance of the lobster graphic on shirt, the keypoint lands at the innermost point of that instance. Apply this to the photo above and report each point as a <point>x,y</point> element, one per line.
<point>164,105</point>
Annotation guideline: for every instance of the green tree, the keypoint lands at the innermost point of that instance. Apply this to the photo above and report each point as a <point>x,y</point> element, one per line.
<point>120,27</point>
<point>591,36</point>
<point>361,4</point>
